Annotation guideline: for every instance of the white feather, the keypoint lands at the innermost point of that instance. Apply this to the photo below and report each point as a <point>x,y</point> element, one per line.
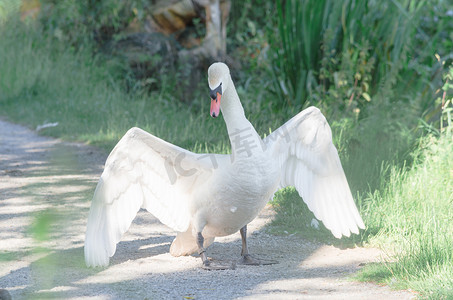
<point>135,176</point>
<point>309,161</point>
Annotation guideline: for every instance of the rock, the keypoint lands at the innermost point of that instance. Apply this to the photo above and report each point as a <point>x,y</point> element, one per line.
<point>171,17</point>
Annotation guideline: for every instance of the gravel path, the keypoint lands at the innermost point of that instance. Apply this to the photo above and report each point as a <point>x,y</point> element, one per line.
<point>45,191</point>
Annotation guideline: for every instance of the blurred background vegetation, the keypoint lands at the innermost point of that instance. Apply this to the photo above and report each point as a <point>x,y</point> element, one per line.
<point>381,72</point>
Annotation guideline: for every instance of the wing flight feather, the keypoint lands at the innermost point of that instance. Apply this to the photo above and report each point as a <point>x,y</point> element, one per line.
<point>142,171</point>
<point>309,161</point>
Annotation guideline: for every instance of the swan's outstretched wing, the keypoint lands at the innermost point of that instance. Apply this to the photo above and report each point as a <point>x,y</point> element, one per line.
<point>309,161</point>
<point>142,171</point>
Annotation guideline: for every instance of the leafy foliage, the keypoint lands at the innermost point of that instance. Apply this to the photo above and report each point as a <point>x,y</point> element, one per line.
<point>81,22</point>
<point>341,52</point>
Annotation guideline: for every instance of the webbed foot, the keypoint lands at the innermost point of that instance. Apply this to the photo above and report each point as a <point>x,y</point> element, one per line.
<point>248,259</point>
<point>212,264</point>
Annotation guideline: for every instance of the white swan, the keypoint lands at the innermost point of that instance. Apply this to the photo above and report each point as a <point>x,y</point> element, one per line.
<point>203,196</point>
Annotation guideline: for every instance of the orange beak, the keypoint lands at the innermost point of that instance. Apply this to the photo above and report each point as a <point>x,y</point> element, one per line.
<point>215,105</point>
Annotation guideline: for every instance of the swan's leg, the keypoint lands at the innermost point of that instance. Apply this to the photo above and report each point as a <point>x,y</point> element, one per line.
<point>245,250</point>
<point>209,264</point>
<point>247,258</point>
<point>202,250</point>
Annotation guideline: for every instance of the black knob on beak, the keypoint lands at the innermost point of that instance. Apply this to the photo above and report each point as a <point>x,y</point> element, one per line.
<point>213,93</point>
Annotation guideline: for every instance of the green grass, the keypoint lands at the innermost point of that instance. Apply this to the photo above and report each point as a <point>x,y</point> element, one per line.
<point>412,217</point>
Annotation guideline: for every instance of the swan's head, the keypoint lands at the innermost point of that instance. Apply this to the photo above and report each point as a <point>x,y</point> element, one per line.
<point>218,75</point>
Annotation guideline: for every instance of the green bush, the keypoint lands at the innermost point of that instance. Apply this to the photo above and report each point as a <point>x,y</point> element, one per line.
<point>85,21</point>
<point>342,52</point>
<point>297,55</point>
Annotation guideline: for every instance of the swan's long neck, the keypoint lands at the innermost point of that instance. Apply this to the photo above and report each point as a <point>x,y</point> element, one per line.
<point>244,139</point>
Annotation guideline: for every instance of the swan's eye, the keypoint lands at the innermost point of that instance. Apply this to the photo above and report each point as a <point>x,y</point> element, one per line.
<point>213,93</point>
